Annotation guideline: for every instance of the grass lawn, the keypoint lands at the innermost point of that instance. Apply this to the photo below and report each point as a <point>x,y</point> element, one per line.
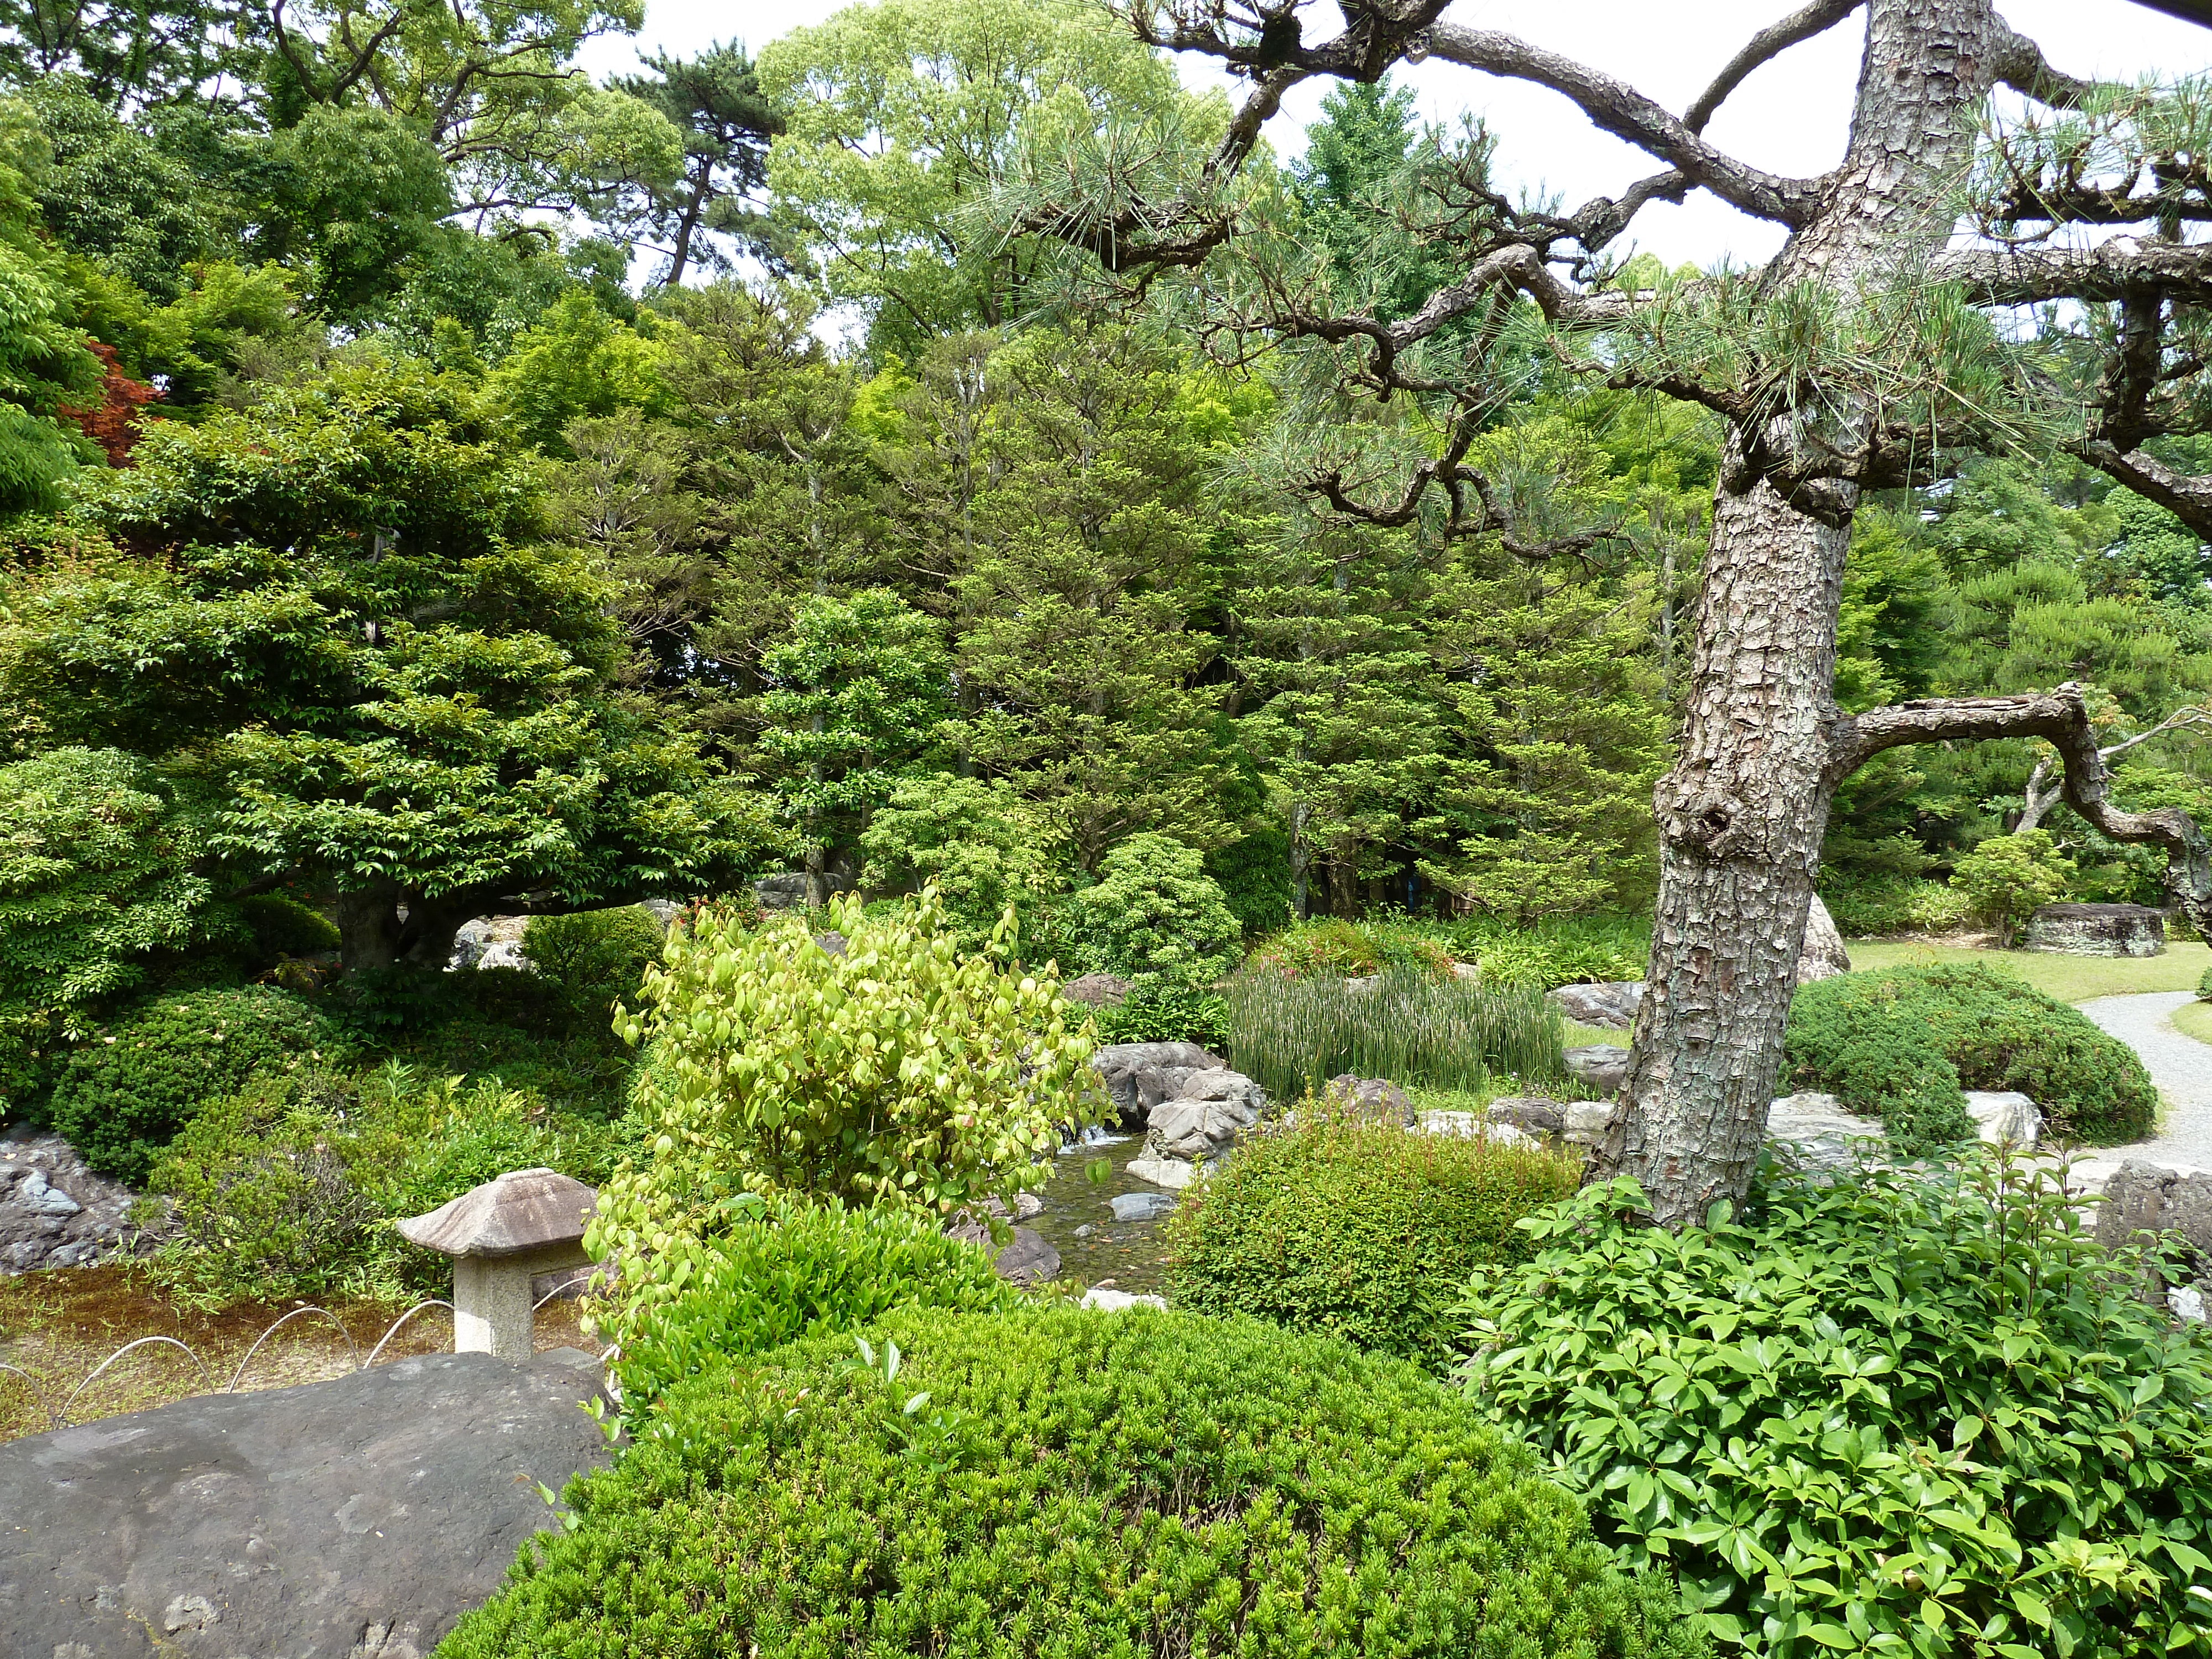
<point>2070,979</point>
<point>2194,1019</point>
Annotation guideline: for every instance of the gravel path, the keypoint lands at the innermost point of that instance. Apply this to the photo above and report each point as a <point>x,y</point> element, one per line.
<point>2179,1065</point>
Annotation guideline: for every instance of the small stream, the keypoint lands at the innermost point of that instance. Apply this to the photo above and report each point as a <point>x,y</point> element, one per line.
<point>1129,1253</point>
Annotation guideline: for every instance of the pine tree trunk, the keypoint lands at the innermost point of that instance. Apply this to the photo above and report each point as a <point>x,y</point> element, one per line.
<point>1742,814</point>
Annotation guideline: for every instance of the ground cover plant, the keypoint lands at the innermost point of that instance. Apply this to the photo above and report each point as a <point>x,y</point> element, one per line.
<point>1880,905</point>
<point>1357,1228</point>
<point>1060,1482</point>
<point>1902,1043</point>
<point>1292,1035</point>
<point>1922,1415</point>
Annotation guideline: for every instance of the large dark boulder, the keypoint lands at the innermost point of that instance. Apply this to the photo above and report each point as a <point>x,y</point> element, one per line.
<point>2097,930</point>
<point>356,1519</point>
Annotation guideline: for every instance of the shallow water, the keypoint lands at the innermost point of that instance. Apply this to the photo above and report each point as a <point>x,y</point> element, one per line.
<point>1129,1253</point>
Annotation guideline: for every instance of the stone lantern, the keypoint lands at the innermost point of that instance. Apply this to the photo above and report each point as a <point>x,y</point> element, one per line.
<point>500,1235</point>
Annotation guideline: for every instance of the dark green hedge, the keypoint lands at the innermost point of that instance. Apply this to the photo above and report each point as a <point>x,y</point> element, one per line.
<point>126,1092</point>
<point>1902,1043</point>
<point>1358,1230</point>
<point>1074,1485</point>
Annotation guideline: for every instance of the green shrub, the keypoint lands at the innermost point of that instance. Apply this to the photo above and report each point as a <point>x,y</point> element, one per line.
<point>2204,986</point>
<point>2008,877</point>
<point>1154,917</point>
<point>285,1190</point>
<point>125,1094</point>
<point>897,1072</point>
<point>1292,1035</point>
<point>1331,947</point>
<point>283,927</point>
<point>785,1268</point>
<point>1896,1414</point>
<point>1876,906</point>
<point>983,846</point>
<point>1158,1013</point>
<point>593,959</point>
<point>1361,1230</point>
<point>1562,950</point>
<point>95,889</point>
<point>1075,1485</point>
<point>1880,1042</point>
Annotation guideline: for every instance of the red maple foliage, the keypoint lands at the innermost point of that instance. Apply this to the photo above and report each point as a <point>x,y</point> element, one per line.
<point>113,425</point>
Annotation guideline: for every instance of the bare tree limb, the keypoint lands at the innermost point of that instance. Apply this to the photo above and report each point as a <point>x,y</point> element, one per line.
<point>1619,109</point>
<point>2043,794</point>
<point>2187,496</point>
<point>2122,267</point>
<point>2022,66</point>
<point>2061,717</point>
<point>1769,43</point>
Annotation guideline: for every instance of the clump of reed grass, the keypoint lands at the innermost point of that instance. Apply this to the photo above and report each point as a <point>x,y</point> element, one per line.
<point>1292,1035</point>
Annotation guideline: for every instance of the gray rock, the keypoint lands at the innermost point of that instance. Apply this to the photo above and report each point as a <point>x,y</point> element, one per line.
<point>2097,930</point>
<point>1141,1206</point>
<point>1120,1301</point>
<point>1824,1136</point>
<point>1097,990</point>
<point>362,1516</point>
<point>833,943</point>
<point>1585,1121</point>
<point>1140,1075</point>
<point>489,942</point>
<point>2142,1198</point>
<point>1472,1126</point>
<point>1086,1230</point>
<point>1372,1098</point>
<point>1203,1122</point>
<point>1534,1112</point>
<point>1823,955</point>
<point>788,893</point>
<point>1610,1003</point>
<point>1173,1173</point>
<point>1600,1066</point>
<point>55,1212</point>
<point>2004,1117</point>
<point>2187,1305</point>
<point>1027,1260</point>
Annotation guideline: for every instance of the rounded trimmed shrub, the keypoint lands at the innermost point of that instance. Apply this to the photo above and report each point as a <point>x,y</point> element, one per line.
<point>592,959</point>
<point>1077,1485</point>
<point>126,1092</point>
<point>1882,1041</point>
<point>787,1268</point>
<point>283,927</point>
<point>1361,1230</point>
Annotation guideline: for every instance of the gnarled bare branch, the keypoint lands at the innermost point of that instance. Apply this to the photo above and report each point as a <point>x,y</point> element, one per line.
<point>2115,270</point>
<point>1769,43</point>
<point>2022,66</point>
<point>2061,717</point>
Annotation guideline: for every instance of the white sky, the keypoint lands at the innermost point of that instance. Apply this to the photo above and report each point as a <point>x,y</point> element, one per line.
<point>1787,117</point>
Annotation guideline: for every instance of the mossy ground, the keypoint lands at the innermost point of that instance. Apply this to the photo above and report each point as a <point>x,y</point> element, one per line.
<point>2069,979</point>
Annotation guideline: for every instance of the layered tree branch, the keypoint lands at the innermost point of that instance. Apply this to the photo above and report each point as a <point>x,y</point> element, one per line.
<point>2061,717</point>
<point>2125,267</point>
<point>2022,66</point>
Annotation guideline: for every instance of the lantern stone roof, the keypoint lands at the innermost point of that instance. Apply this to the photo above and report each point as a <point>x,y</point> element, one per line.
<point>527,1210</point>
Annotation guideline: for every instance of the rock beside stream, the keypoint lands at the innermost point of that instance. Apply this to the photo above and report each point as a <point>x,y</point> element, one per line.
<point>55,1212</point>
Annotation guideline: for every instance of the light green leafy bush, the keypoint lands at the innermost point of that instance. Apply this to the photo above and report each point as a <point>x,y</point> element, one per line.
<point>1058,1482</point>
<point>139,1079</point>
<point>1154,917</point>
<point>2008,878</point>
<point>983,847</point>
<point>1292,1035</point>
<point>1901,1043</point>
<point>781,1269</point>
<point>1876,905</point>
<point>592,959</point>
<point>897,1071</point>
<point>1896,1414</point>
<point>1360,1231</point>
<point>1559,950</point>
